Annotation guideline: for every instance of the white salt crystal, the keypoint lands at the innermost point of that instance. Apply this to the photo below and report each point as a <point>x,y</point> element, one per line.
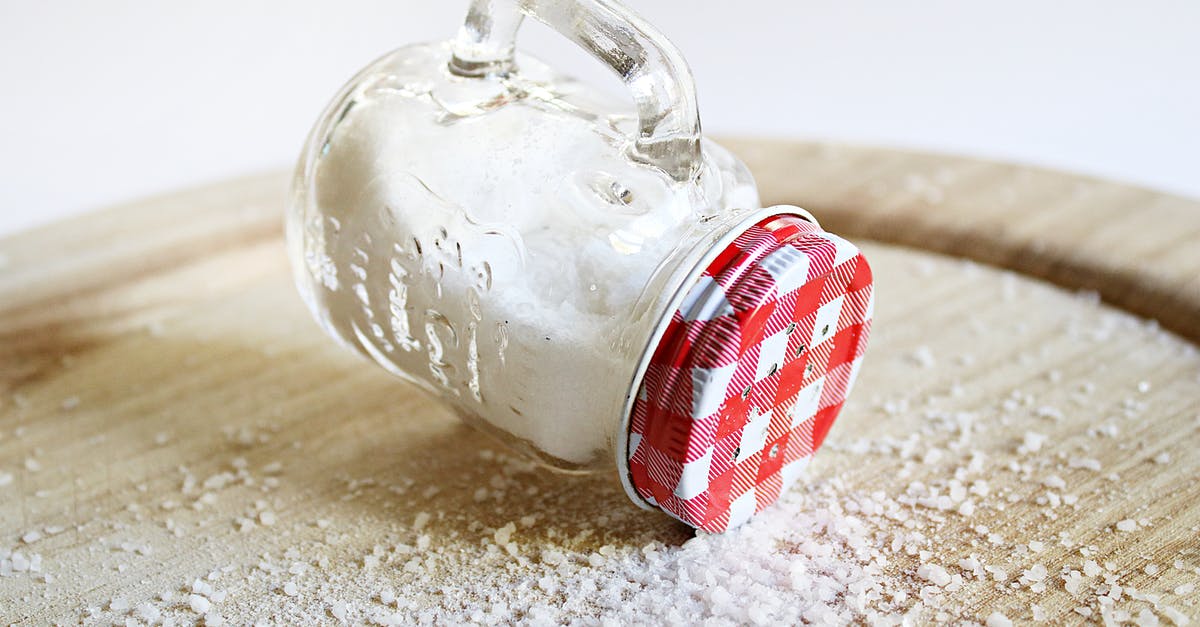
<point>31,536</point>
<point>420,521</point>
<point>504,534</point>
<point>934,574</point>
<point>1072,582</point>
<point>199,604</point>
<point>290,589</point>
<point>214,619</point>
<point>1036,547</point>
<point>201,587</point>
<point>1151,569</point>
<point>1035,573</point>
<point>1185,589</point>
<point>996,619</point>
<point>266,518</point>
<point>117,604</point>
<point>1162,458</point>
<point>338,610</point>
<point>1032,442</point>
<point>1127,525</point>
<point>5,478</point>
<point>149,613</point>
<point>1054,481</point>
<point>1050,412</point>
<point>922,356</point>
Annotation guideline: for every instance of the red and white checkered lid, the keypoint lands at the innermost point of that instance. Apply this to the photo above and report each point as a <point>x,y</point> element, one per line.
<point>754,366</point>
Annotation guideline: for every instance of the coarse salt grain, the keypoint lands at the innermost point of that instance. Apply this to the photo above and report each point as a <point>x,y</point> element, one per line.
<point>1073,582</point>
<point>1127,525</point>
<point>934,574</point>
<point>1032,442</point>
<point>922,356</point>
<point>1034,574</point>
<point>199,604</point>
<point>149,613</point>
<point>996,619</point>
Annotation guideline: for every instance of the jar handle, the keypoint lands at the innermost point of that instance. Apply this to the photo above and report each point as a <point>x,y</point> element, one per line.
<point>649,65</point>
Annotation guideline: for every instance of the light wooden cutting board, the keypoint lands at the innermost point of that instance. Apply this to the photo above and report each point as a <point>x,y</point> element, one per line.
<point>169,412</point>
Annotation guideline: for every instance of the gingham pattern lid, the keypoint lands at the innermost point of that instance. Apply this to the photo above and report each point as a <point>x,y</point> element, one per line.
<point>750,374</point>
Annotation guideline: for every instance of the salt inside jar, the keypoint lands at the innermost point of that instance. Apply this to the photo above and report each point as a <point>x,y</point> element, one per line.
<point>591,286</point>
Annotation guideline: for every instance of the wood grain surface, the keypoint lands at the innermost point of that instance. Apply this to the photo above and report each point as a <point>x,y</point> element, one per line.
<point>169,413</point>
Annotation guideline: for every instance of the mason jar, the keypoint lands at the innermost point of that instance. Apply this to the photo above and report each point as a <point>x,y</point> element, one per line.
<point>597,287</point>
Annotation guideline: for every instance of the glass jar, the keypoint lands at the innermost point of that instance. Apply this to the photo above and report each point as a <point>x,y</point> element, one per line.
<point>587,284</point>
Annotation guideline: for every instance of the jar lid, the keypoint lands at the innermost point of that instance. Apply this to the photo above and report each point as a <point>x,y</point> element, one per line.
<point>754,366</point>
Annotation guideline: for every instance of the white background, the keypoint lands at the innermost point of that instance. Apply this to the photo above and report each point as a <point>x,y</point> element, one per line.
<point>109,101</point>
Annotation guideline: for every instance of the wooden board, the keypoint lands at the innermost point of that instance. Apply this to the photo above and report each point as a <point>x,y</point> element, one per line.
<point>169,412</point>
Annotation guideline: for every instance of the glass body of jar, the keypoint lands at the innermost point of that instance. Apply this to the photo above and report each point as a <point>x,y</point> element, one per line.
<point>491,241</point>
